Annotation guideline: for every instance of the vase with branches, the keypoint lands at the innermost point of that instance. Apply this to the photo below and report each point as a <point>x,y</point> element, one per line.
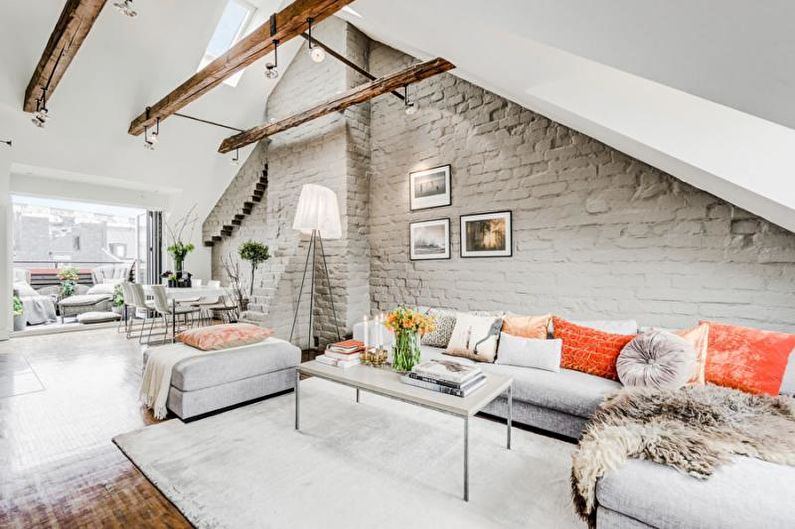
<point>178,248</point>
<point>232,270</point>
<point>255,253</point>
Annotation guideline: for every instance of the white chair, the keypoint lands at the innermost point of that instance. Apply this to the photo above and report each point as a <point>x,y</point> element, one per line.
<point>196,282</point>
<point>166,311</point>
<point>141,308</point>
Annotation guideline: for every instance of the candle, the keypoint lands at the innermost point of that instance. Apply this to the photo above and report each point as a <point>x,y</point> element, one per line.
<point>366,332</point>
<point>381,320</point>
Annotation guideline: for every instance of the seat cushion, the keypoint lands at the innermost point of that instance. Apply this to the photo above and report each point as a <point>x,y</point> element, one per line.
<point>745,493</point>
<point>219,367</point>
<point>83,300</point>
<point>97,317</point>
<point>566,391</point>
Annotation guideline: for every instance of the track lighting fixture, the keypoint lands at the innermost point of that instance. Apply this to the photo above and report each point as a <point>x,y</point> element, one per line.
<point>41,116</point>
<point>236,158</point>
<point>410,108</point>
<point>270,68</point>
<point>316,53</point>
<point>151,138</point>
<point>7,142</point>
<point>125,7</point>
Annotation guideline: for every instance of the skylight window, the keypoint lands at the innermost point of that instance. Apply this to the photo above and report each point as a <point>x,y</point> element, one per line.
<point>230,29</point>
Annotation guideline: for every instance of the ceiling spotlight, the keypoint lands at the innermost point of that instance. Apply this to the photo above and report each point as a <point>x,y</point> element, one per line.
<point>41,116</point>
<point>270,68</point>
<point>316,53</point>
<point>410,108</point>
<point>236,158</point>
<point>151,138</point>
<point>125,7</point>
<point>10,143</point>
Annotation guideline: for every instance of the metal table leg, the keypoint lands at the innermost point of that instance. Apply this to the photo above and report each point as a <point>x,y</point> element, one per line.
<point>466,458</point>
<point>173,320</point>
<point>510,413</point>
<point>357,395</point>
<point>297,399</point>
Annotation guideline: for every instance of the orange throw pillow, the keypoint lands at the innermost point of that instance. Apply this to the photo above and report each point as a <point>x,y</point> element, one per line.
<point>698,337</point>
<point>588,350</point>
<point>747,359</point>
<point>535,327</point>
<point>224,336</point>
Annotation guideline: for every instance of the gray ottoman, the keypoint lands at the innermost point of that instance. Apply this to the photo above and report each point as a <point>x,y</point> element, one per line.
<point>212,380</point>
<point>75,305</point>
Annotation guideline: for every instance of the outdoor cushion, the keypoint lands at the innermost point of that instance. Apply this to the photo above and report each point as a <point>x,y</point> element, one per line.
<point>565,391</point>
<point>24,290</point>
<point>97,317</point>
<point>212,368</point>
<point>103,288</point>
<point>83,300</point>
<point>741,494</point>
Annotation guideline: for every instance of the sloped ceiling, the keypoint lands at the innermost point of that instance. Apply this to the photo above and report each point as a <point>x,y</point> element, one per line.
<point>700,89</point>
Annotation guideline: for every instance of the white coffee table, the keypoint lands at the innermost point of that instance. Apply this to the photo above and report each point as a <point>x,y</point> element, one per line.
<point>387,383</point>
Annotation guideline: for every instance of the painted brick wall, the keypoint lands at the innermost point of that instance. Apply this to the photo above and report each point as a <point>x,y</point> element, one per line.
<point>597,234</point>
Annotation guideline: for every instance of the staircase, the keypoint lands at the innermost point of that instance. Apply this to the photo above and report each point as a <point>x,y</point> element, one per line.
<point>258,191</point>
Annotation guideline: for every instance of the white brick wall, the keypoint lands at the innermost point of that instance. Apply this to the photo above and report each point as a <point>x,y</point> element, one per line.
<point>596,234</point>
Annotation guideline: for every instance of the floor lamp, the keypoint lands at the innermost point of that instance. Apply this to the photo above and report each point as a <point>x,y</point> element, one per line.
<point>317,211</point>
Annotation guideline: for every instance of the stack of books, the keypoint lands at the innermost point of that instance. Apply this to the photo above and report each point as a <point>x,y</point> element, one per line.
<point>342,354</point>
<point>447,377</point>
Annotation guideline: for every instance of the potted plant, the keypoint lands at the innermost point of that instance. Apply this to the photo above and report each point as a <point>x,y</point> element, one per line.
<point>255,253</point>
<point>69,277</point>
<point>178,248</point>
<point>408,325</point>
<point>118,299</point>
<point>19,314</point>
<point>172,280</point>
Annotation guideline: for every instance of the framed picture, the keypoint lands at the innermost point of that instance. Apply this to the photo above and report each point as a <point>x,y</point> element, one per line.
<point>429,239</point>
<point>487,235</point>
<point>430,188</point>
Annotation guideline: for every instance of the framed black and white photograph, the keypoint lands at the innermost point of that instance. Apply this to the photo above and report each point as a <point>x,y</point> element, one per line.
<point>487,235</point>
<point>430,188</point>
<point>429,239</point>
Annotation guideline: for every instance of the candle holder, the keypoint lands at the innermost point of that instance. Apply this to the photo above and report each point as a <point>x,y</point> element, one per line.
<point>376,356</point>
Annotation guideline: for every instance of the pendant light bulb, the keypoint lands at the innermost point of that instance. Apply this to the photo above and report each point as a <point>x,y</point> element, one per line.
<point>236,158</point>
<point>317,54</point>
<point>42,115</point>
<point>411,108</point>
<point>270,68</point>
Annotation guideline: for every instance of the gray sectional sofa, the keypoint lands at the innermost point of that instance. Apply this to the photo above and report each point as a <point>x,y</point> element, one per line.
<point>643,495</point>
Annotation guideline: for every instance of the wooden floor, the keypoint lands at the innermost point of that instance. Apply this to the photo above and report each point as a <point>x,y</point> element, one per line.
<point>70,394</point>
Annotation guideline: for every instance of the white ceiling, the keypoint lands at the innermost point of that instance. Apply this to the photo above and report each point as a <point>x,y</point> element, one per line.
<point>700,89</point>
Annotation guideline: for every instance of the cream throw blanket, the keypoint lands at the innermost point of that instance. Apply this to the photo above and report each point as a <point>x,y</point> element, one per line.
<point>157,375</point>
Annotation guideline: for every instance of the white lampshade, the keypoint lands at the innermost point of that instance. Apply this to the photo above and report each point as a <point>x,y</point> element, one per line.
<point>318,210</point>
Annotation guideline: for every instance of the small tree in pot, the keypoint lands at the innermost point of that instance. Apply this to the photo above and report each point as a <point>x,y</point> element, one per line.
<point>255,253</point>
<point>69,277</point>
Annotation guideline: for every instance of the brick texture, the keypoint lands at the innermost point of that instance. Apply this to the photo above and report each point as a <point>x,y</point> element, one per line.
<point>597,234</point>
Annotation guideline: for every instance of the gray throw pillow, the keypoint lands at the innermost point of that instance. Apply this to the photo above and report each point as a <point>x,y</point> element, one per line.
<point>445,323</point>
<point>656,359</point>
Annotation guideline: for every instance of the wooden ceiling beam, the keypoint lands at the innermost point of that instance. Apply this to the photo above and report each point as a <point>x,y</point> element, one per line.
<point>76,20</point>
<point>287,24</point>
<point>357,95</point>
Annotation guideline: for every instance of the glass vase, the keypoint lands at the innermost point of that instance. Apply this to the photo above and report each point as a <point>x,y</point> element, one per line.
<point>406,351</point>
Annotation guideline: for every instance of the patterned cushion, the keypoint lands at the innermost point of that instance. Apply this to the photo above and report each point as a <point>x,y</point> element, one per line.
<point>225,336</point>
<point>535,327</point>
<point>475,337</point>
<point>698,338</point>
<point>656,359</point>
<point>588,350</point>
<point>445,322</point>
<point>747,359</point>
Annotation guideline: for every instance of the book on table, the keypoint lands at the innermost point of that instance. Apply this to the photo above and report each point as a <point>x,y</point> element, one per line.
<point>465,389</point>
<point>446,371</point>
<point>346,347</point>
<point>336,362</point>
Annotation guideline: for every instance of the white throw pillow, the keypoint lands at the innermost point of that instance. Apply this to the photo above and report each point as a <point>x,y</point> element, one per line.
<point>474,337</point>
<point>24,290</point>
<point>103,288</point>
<point>529,352</point>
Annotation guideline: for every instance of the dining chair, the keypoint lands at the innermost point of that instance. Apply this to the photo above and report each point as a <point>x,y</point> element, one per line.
<point>197,283</point>
<point>143,309</point>
<point>166,311</point>
<point>125,308</point>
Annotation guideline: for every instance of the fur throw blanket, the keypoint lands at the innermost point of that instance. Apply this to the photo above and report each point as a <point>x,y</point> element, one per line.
<point>693,429</point>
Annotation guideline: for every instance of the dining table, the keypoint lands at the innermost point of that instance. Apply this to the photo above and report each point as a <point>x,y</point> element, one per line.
<point>178,294</point>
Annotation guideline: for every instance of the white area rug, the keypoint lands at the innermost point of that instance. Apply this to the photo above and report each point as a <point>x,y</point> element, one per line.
<point>377,464</point>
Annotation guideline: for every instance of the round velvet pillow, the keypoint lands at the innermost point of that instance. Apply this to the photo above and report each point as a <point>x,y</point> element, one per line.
<point>656,359</point>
